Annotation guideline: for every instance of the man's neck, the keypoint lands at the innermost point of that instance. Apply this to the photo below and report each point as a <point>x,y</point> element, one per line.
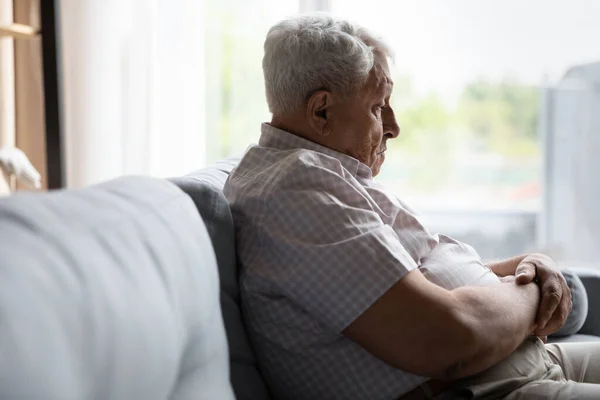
<point>295,124</point>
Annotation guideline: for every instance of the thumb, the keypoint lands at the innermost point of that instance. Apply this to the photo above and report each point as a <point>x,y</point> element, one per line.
<point>525,273</point>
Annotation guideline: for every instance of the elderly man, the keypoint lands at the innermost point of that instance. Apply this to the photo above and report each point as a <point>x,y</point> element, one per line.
<point>346,295</point>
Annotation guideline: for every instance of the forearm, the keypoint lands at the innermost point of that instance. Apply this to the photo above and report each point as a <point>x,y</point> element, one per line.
<point>499,319</point>
<point>506,267</point>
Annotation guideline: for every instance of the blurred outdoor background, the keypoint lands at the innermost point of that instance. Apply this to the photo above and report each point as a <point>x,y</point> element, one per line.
<point>498,102</point>
<point>472,83</point>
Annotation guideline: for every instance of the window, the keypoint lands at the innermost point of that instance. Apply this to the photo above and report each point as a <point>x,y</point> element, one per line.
<point>235,101</point>
<point>478,96</point>
<point>470,78</point>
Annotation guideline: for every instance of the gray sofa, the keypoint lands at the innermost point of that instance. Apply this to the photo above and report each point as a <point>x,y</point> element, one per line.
<point>112,292</point>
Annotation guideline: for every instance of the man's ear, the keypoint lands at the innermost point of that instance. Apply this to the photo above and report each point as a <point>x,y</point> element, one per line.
<point>316,112</point>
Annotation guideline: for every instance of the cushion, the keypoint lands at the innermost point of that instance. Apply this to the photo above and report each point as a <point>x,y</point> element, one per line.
<point>574,338</point>
<point>109,292</point>
<point>205,188</point>
<point>580,305</point>
<point>590,277</point>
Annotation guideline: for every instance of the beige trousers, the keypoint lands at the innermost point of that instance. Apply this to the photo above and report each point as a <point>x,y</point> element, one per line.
<point>538,371</point>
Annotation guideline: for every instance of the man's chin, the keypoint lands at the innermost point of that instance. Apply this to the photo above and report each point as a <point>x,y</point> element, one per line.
<point>378,163</point>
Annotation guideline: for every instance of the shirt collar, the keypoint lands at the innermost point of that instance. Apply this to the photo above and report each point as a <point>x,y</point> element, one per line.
<point>282,140</point>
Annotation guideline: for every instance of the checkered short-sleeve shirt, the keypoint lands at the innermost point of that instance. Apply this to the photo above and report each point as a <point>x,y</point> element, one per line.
<point>319,242</point>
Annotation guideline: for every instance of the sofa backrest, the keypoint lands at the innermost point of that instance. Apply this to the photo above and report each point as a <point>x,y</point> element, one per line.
<point>109,293</point>
<point>205,187</point>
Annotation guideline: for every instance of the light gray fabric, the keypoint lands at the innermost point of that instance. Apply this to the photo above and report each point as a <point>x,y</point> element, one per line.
<point>574,338</point>
<point>590,277</point>
<point>580,305</point>
<point>205,188</point>
<point>109,293</point>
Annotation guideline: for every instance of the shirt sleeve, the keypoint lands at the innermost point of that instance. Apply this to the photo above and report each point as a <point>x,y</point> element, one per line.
<point>334,255</point>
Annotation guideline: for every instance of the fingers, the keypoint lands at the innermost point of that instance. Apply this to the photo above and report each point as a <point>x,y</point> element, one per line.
<point>555,290</point>
<point>555,323</point>
<point>525,272</point>
<point>558,318</point>
<point>566,303</point>
<point>562,311</point>
<point>551,300</point>
<point>551,287</point>
<point>556,304</point>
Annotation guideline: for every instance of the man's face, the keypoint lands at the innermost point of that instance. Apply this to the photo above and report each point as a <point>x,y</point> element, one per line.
<point>361,125</point>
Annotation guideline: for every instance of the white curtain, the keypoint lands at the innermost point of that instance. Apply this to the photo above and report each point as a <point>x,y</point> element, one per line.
<point>133,87</point>
<point>7,79</point>
<point>570,217</point>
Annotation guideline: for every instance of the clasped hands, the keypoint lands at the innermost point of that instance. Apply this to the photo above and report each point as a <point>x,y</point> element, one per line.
<point>555,302</point>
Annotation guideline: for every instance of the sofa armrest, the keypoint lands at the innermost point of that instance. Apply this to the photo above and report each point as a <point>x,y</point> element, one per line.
<point>591,280</point>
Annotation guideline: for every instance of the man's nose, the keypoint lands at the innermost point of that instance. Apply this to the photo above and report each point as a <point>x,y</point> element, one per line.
<point>391,129</point>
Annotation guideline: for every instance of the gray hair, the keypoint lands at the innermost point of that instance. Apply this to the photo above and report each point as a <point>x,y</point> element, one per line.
<point>307,53</point>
